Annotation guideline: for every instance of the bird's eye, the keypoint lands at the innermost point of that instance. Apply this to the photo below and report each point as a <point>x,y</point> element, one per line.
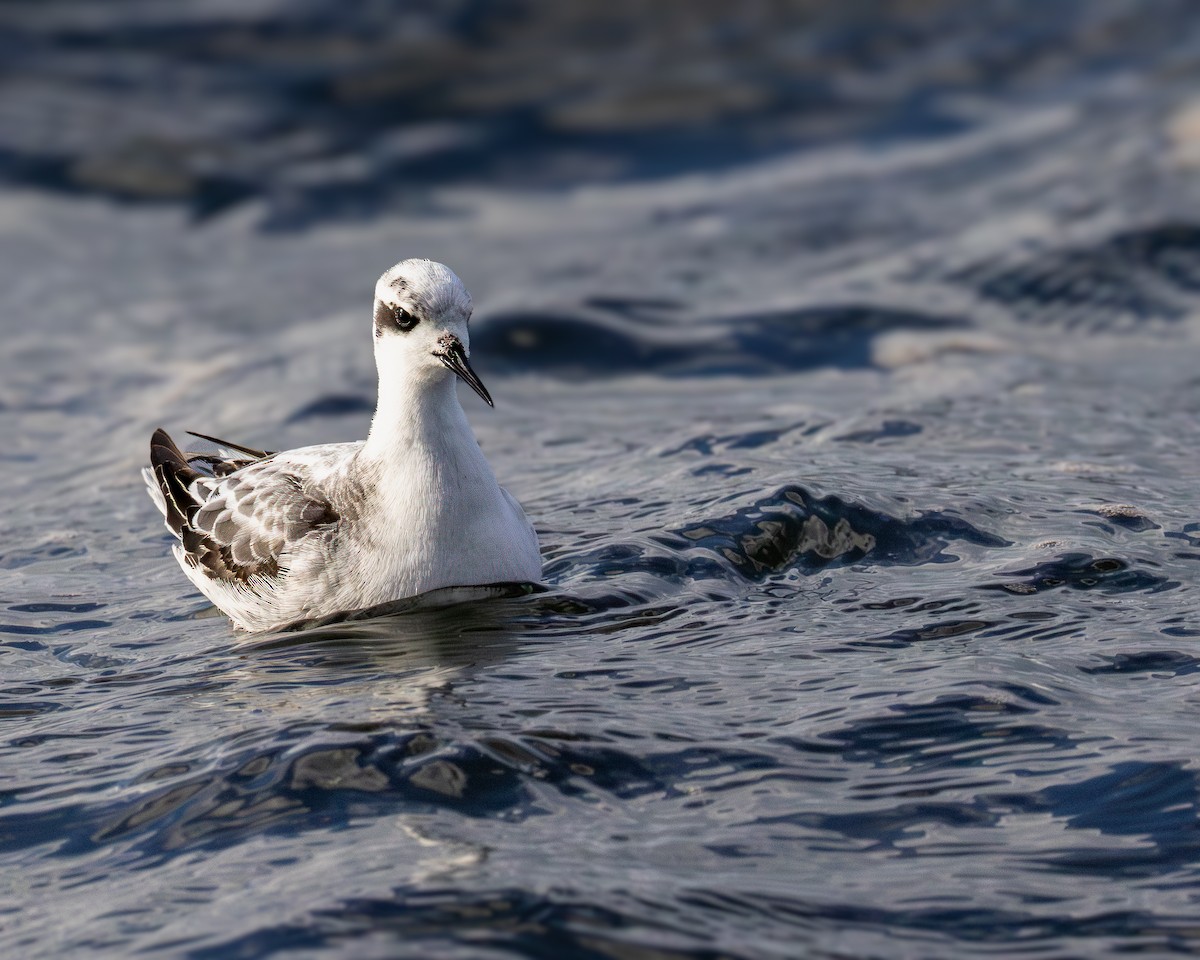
<point>403,319</point>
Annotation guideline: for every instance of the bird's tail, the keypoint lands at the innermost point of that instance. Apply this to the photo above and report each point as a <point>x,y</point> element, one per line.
<point>168,478</point>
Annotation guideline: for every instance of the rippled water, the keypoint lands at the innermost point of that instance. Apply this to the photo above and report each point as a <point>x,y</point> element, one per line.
<point>865,472</point>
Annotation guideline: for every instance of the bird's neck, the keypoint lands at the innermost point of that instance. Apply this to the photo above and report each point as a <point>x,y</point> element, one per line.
<point>415,416</point>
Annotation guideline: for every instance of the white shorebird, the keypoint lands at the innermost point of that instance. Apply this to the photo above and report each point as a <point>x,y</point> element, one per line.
<point>274,539</point>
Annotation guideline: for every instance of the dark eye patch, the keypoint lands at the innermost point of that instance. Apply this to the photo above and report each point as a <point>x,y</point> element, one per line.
<point>405,321</point>
<point>390,318</point>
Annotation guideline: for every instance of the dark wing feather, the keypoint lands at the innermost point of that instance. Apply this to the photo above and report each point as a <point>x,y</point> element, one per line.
<point>218,465</point>
<point>222,465</point>
<point>249,451</point>
<point>237,527</point>
<point>175,475</point>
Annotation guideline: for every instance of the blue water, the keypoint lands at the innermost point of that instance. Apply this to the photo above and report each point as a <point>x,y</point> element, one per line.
<point>855,404</point>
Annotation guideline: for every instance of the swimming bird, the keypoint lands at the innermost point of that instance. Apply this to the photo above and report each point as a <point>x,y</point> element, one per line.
<point>273,539</point>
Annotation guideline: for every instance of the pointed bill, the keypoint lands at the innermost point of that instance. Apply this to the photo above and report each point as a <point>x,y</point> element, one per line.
<point>454,357</point>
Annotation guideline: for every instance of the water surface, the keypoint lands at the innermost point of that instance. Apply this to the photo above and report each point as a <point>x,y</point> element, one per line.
<point>864,463</point>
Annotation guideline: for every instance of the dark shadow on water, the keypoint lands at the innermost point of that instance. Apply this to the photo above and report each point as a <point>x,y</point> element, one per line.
<point>622,339</point>
<point>408,638</point>
<point>506,922</point>
<point>1146,810</point>
<point>1122,281</point>
<point>1082,571</point>
<point>451,601</point>
<point>952,731</point>
<point>522,922</point>
<point>333,405</point>
<point>1163,663</point>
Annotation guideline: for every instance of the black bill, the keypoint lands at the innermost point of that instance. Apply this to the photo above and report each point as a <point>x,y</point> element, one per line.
<point>452,355</point>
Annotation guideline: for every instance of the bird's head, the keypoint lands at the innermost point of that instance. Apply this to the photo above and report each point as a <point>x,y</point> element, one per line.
<point>421,314</point>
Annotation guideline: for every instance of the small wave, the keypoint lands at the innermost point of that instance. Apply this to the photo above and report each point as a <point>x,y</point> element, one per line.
<point>1081,571</point>
<point>793,529</point>
<point>333,405</point>
<point>1119,283</point>
<point>618,340</point>
<point>1155,801</point>
<point>1166,663</point>
<point>503,922</point>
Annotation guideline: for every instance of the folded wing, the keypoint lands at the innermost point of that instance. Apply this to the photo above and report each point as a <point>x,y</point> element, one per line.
<point>240,524</point>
